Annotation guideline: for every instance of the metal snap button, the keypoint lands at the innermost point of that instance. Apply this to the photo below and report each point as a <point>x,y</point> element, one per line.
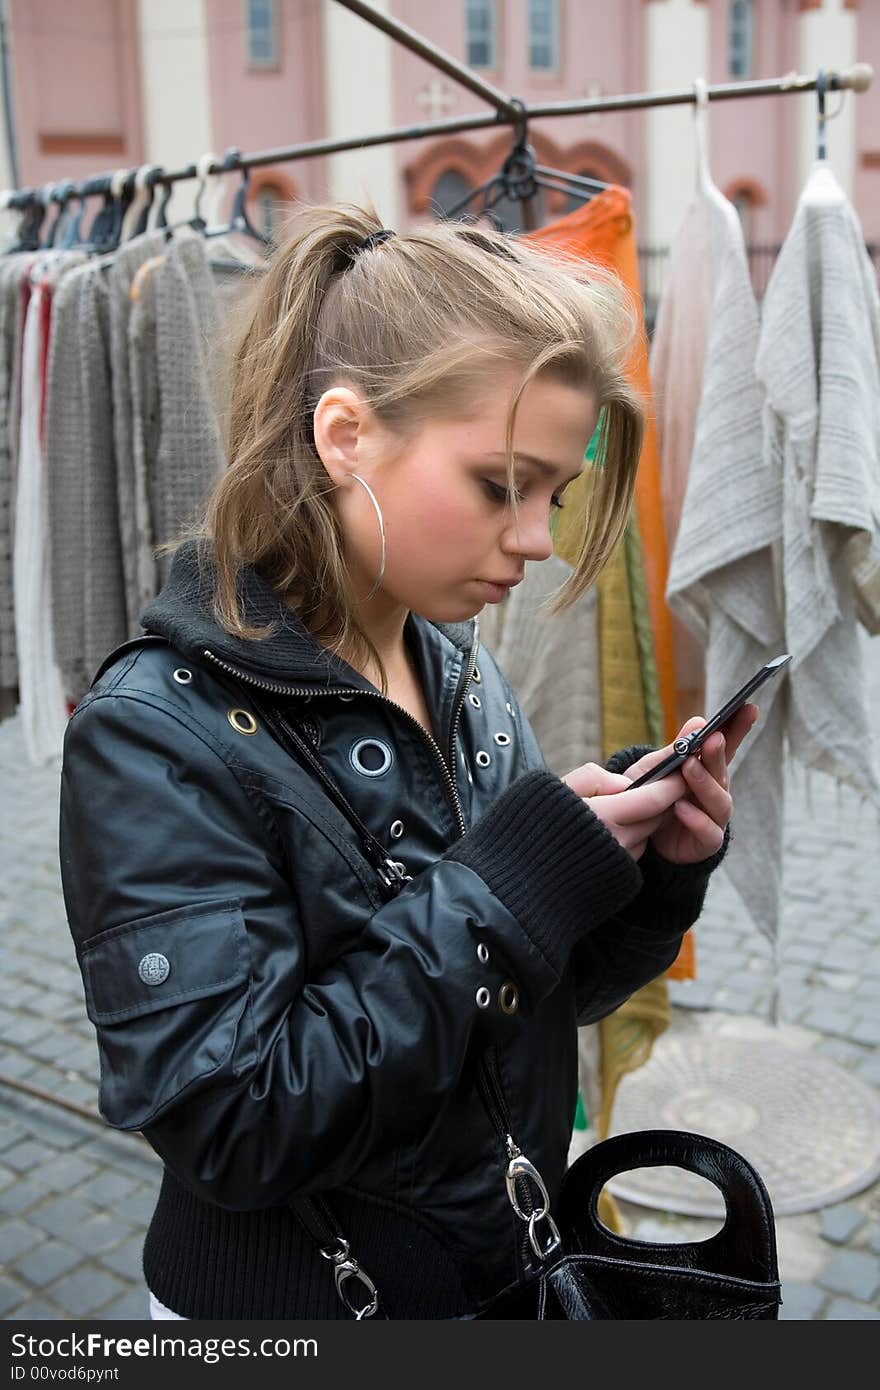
<point>242,721</point>
<point>483,953</point>
<point>396,829</point>
<point>502,740</point>
<point>183,676</point>
<point>370,757</point>
<point>154,968</point>
<point>482,759</point>
<point>508,997</point>
<point>478,679</point>
<point>475,701</point>
<point>484,998</point>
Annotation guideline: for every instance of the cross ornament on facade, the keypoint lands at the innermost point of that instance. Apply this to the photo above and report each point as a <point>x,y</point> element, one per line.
<point>435,98</point>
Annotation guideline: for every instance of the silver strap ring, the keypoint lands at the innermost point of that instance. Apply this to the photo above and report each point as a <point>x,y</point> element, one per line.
<point>553,1242</point>
<point>343,1271</point>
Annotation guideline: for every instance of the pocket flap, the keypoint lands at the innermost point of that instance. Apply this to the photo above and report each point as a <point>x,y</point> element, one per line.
<point>167,958</point>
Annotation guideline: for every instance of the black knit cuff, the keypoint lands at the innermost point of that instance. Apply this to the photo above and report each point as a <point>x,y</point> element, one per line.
<point>672,897</point>
<point>550,861</point>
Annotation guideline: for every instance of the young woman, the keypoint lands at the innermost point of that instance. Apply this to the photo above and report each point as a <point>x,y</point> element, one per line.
<point>314,865</point>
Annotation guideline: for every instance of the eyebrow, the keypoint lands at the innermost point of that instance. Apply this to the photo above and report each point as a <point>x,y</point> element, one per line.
<point>541,464</point>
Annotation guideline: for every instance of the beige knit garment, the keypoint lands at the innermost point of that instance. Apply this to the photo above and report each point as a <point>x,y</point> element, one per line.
<point>819,364</point>
<point>133,505</point>
<point>189,456</point>
<point>678,357</point>
<point>721,572</point>
<point>552,663</point>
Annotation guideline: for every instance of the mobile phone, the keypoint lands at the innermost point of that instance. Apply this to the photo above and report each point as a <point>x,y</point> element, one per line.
<point>689,744</point>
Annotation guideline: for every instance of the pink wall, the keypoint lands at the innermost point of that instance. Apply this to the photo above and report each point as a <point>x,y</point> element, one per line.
<point>867,175</point>
<point>600,43</point>
<point>754,141</point>
<point>76,87</point>
<point>262,109</point>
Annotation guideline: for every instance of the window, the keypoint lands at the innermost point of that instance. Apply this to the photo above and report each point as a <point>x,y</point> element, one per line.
<point>544,35</point>
<point>447,192</point>
<point>741,38</point>
<point>262,33</point>
<point>479,18</point>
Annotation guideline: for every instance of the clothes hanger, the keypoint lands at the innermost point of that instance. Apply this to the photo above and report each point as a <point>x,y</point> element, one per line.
<point>821,144</point>
<point>239,221</point>
<point>60,194</point>
<point>701,134</point>
<point>30,224</point>
<point>136,217</point>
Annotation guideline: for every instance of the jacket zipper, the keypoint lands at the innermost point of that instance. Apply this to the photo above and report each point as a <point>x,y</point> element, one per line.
<point>447,769</point>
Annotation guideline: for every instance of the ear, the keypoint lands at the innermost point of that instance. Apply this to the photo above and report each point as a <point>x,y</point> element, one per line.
<point>339,421</point>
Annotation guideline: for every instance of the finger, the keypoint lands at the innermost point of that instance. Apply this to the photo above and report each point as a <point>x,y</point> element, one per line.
<point>657,755</point>
<point>592,780</point>
<point>713,756</point>
<point>702,827</point>
<point>737,728</point>
<point>708,794</point>
<point>641,803</point>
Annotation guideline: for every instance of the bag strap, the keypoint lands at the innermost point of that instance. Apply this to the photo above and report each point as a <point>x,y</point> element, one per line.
<point>526,1190</point>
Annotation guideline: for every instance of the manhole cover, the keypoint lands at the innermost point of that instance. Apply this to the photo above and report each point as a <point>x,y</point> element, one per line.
<point>810,1128</point>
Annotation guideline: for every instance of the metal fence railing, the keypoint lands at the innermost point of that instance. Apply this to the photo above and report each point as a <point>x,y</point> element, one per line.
<point>654,263</point>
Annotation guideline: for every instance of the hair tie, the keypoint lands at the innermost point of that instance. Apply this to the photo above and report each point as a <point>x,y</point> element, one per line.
<point>374,239</point>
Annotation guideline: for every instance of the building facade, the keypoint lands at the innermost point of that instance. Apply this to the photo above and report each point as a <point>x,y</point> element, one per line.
<point>95,85</point>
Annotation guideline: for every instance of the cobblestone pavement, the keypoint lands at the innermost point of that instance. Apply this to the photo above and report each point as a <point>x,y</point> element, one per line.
<point>75,1197</point>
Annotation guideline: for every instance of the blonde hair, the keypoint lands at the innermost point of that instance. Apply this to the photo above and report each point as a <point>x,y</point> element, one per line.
<point>417,325</point>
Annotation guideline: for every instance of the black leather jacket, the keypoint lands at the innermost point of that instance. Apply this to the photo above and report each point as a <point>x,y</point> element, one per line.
<point>275,1025</point>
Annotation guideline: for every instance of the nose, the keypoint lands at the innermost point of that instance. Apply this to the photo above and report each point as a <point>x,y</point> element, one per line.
<point>529,535</point>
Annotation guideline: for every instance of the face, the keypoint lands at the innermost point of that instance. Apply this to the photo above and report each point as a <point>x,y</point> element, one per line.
<point>453,542</point>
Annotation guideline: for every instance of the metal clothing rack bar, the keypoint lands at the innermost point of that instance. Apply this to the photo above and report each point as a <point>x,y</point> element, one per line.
<point>509,111</point>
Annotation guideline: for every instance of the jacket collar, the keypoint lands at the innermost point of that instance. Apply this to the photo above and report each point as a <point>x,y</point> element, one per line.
<point>182,613</point>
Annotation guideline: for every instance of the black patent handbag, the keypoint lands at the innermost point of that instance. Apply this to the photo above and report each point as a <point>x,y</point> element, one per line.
<point>595,1274</point>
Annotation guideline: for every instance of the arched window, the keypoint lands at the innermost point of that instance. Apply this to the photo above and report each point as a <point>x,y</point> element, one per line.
<point>741,38</point>
<point>509,212</point>
<point>447,192</point>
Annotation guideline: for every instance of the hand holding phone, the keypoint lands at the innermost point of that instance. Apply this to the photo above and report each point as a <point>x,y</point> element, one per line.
<point>689,744</point>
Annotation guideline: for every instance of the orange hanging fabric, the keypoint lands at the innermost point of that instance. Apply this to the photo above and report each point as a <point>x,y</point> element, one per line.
<point>603,231</point>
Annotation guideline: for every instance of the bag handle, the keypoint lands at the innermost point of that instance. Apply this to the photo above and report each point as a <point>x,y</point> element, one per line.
<point>745,1246</point>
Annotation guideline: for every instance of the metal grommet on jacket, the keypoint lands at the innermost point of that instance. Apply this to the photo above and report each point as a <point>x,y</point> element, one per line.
<point>242,721</point>
<point>482,758</point>
<point>508,997</point>
<point>371,757</point>
<point>483,953</point>
<point>484,998</point>
<point>503,740</point>
<point>475,701</point>
<point>396,829</point>
<point>478,679</point>
<point>183,676</point>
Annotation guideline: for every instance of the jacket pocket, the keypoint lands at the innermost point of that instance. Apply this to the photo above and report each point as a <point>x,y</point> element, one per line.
<point>169,995</point>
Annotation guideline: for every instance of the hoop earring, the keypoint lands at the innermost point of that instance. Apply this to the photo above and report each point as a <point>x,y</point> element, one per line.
<point>372,497</point>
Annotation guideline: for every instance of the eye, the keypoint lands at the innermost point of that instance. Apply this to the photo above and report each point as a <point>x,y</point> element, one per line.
<point>499,493</point>
<point>555,502</point>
